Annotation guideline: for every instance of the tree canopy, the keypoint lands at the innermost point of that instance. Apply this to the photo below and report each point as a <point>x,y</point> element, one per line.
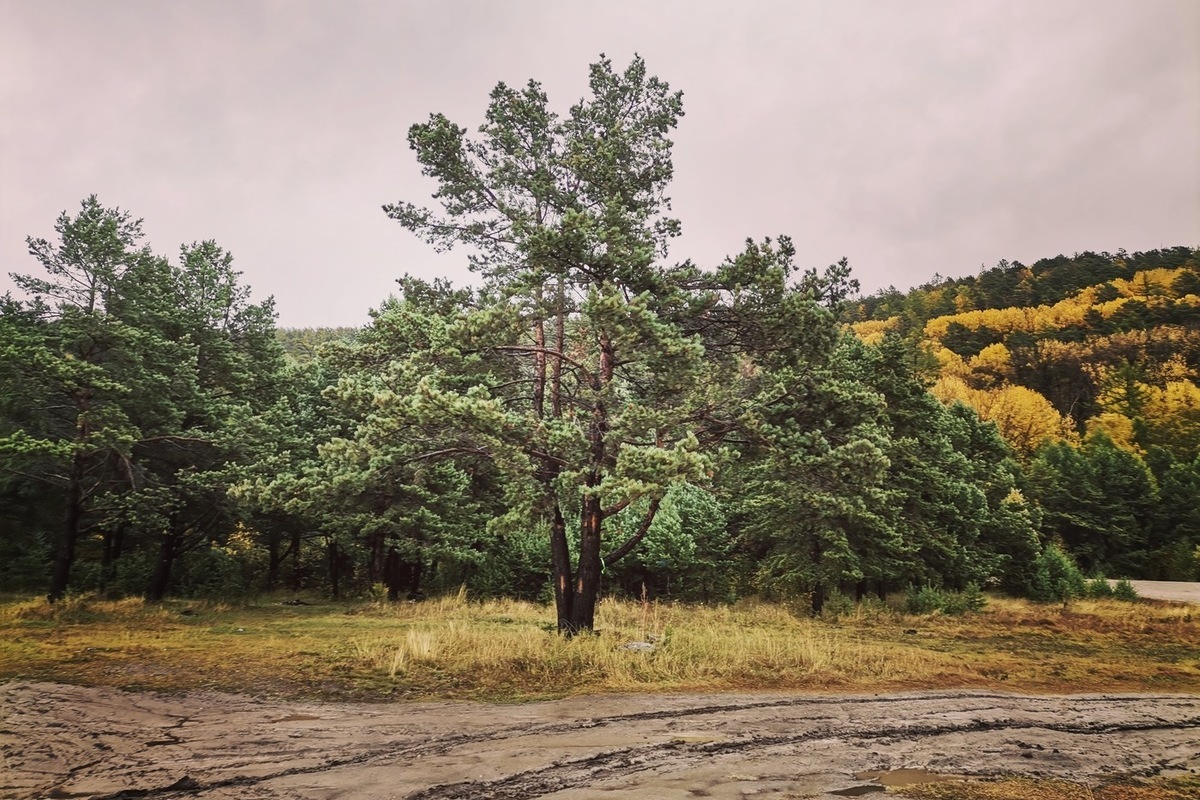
<point>591,417</point>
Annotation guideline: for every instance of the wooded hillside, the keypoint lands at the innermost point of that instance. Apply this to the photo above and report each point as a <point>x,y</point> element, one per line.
<point>1069,358</point>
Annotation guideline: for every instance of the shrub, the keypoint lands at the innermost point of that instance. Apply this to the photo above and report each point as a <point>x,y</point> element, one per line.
<point>1056,578</point>
<point>1124,591</point>
<point>837,605</point>
<point>968,600</point>
<point>925,600</point>
<point>928,600</point>
<point>1098,588</point>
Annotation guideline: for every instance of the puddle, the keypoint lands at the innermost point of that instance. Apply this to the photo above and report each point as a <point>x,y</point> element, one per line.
<point>905,777</point>
<point>895,777</point>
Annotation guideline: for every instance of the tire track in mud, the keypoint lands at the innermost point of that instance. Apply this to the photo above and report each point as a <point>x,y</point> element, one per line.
<point>445,744</point>
<point>619,763</point>
<point>848,721</point>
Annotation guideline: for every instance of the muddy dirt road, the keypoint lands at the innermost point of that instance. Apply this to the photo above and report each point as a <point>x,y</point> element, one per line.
<point>60,741</point>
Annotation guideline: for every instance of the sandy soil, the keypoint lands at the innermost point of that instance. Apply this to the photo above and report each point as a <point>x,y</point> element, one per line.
<point>66,741</point>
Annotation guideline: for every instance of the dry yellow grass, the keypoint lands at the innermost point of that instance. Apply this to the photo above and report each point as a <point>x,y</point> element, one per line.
<point>1174,788</point>
<point>453,647</point>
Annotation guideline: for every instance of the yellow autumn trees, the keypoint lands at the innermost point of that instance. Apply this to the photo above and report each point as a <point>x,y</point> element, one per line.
<point>872,331</point>
<point>1153,287</point>
<point>1024,417</point>
<point>1135,412</point>
<point>993,366</point>
<point>1157,401</point>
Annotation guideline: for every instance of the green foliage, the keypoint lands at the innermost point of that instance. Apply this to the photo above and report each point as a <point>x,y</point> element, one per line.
<point>514,564</point>
<point>218,573</point>
<point>970,600</point>
<point>135,375</point>
<point>303,344</point>
<point>24,560</point>
<point>1175,521</point>
<point>837,606</point>
<point>687,553</point>
<point>928,600</point>
<point>1123,590</point>
<point>1056,577</point>
<point>922,600</point>
<point>1099,500</point>
<point>594,417</point>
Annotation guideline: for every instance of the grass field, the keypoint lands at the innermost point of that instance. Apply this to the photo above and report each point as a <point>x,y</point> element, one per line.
<point>503,650</point>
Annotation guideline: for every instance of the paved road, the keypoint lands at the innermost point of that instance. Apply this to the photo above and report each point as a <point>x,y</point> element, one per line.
<point>1179,591</point>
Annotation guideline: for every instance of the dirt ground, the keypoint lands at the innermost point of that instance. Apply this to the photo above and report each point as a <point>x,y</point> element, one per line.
<point>1179,591</point>
<point>67,741</point>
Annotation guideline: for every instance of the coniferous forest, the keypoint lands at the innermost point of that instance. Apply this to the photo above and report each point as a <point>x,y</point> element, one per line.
<point>592,418</point>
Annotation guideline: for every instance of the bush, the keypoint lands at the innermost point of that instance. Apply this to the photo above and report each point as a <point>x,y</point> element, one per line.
<point>1124,591</point>
<point>970,599</point>
<point>837,605</point>
<point>1056,578</point>
<point>925,600</point>
<point>1098,589</point>
<point>928,600</point>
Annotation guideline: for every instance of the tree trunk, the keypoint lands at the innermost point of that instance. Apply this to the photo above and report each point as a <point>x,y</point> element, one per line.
<point>334,589</point>
<point>560,557</point>
<point>410,578</point>
<point>818,589</point>
<point>114,541</point>
<point>539,358</point>
<point>560,343</point>
<point>560,550</point>
<point>377,566</point>
<point>157,589</point>
<point>391,575</point>
<point>591,522</point>
<point>71,520</point>
<point>402,576</point>
<point>587,576</point>
<point>296,537</point>
<point>818,598</point>
<point>273,560</point>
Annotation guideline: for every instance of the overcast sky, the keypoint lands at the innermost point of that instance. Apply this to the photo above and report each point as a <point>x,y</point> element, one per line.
<point>911,137</point>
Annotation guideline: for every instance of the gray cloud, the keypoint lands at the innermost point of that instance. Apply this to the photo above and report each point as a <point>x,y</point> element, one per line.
<point>912,137</point>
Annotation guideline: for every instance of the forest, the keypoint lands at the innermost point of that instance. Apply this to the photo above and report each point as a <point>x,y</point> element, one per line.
<point>591,418</point>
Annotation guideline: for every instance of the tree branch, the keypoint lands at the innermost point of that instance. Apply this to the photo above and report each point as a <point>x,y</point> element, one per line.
<point>514,348</point>
<point>450,451</point>
<point>635,540</point>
